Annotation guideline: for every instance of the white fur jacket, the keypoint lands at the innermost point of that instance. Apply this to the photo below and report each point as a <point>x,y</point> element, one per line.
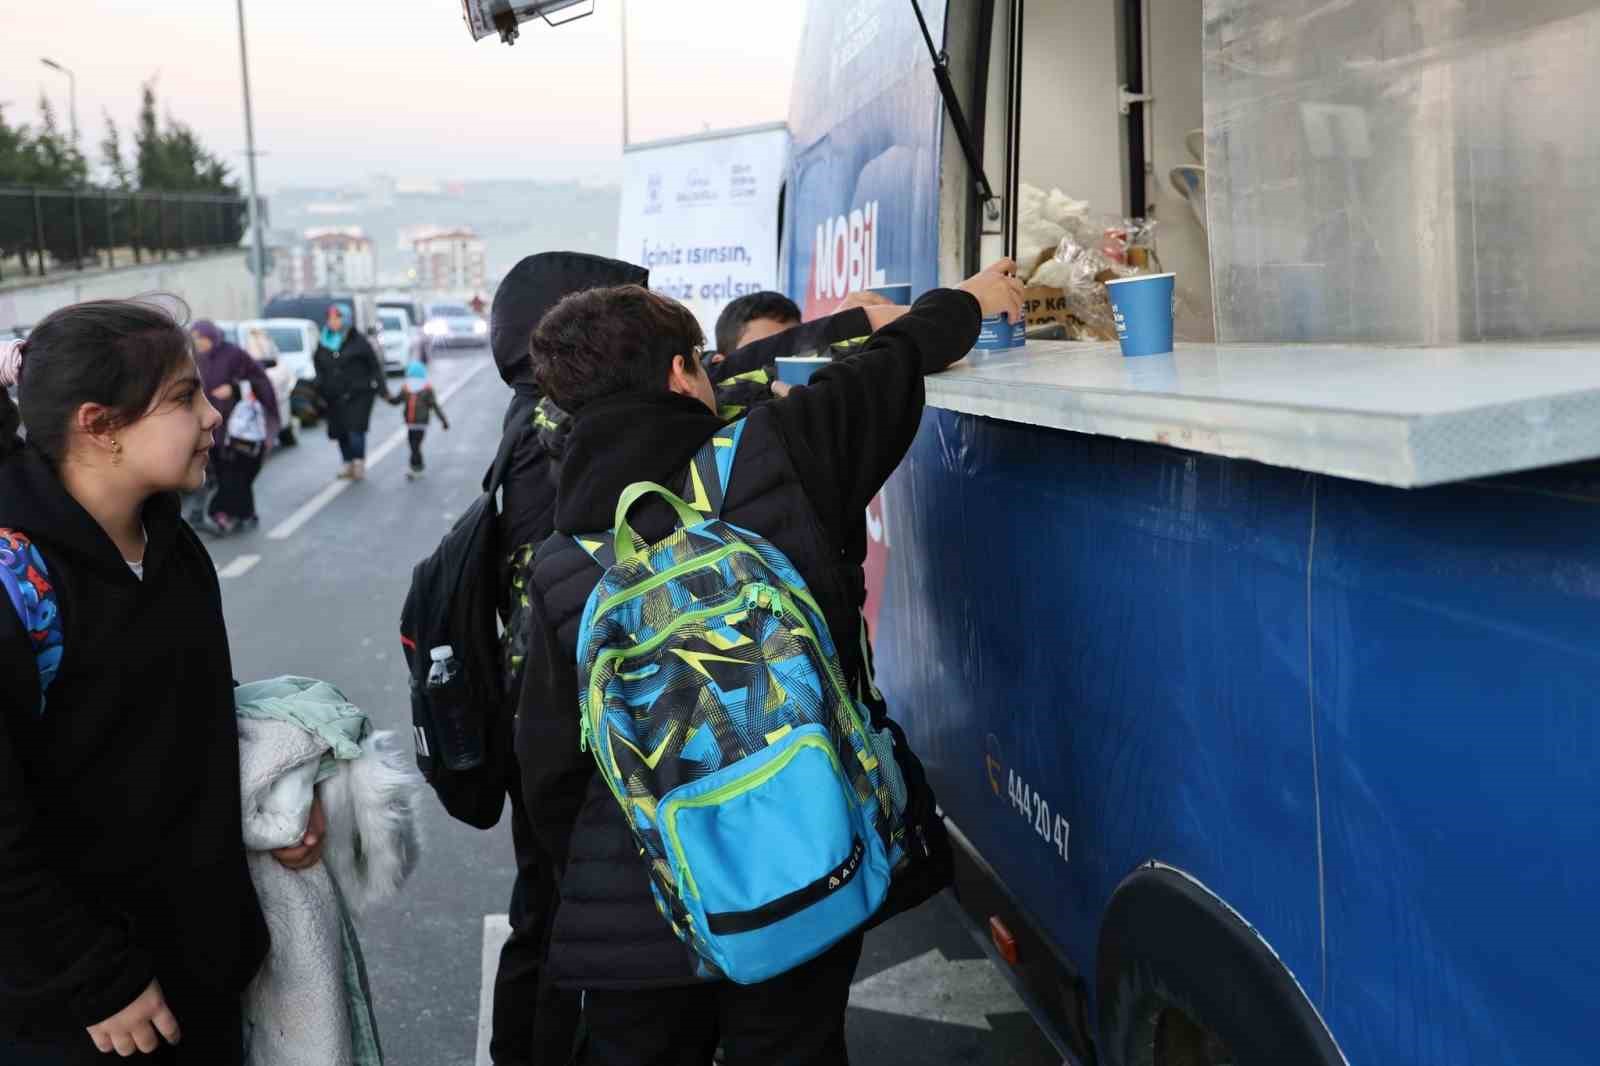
<point>309,1004</point>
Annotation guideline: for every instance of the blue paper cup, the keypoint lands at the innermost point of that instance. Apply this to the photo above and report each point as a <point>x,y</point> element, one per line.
<point>996,334</point>
<point>1141,306</point>
<point>798,371</point>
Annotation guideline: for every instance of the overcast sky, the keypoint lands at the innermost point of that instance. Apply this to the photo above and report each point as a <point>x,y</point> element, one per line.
<point>348,88</point>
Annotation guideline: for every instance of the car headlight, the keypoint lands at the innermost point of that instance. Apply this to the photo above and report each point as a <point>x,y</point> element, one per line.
<point>435,328</point>
<point>480,327</point>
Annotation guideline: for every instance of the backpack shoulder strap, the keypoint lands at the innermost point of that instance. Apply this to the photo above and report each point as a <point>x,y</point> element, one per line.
<point>711,469</point>
<point>27,583</point>
<point>706,486</point>
<point>601,547</point>
<point>509,442</point>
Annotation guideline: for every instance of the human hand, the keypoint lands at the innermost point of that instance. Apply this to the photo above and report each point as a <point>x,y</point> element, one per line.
<point>138,1027</point>
<point>997,289</point>
<point>223,392</point>
<point>780,389</point>
<point>308,852</point>
<point>864,298</point>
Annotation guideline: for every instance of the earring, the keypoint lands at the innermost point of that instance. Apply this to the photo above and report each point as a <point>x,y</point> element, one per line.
<point>116,452</point>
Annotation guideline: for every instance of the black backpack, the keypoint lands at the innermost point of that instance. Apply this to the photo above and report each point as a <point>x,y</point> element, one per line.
<point>455,599</point>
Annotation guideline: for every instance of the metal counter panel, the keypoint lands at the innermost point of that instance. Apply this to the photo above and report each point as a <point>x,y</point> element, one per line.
<point>1394,416</point>
<point>1144,637</point>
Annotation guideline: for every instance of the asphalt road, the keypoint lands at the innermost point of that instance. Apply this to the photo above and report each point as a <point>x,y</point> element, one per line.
<point>316,591</point>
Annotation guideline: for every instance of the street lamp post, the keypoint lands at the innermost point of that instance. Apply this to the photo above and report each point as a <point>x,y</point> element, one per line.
<point>72,91</point>
<point>258,244</point>
<point>625,132</point>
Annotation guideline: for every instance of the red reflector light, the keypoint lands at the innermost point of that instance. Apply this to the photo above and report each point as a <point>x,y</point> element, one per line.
<point>1004,942</point>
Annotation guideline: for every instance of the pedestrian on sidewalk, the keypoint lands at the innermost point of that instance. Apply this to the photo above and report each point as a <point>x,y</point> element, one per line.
<point>127,914</point>
<point>243,394</point>
<point>246,440</point>
<point>421,403</point>
<point>349,378</point>
<point>227,371</point>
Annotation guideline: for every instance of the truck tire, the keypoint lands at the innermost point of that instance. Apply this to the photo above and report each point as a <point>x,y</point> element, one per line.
<point>1182,980</point>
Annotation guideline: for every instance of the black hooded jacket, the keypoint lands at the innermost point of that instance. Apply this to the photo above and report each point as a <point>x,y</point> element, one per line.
<point>807,468</point>
<point>120,845</point>
<point>349,380</point>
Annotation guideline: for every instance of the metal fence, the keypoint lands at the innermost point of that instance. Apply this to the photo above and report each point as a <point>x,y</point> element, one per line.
<point>44,231</point>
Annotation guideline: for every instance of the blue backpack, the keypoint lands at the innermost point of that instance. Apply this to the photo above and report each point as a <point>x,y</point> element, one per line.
<point>768,812</point>
<point>33,597</point>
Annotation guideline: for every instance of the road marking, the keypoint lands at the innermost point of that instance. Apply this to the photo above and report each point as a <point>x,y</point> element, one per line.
<point>496,931</point>
<point>937,989</point>
<point>308,510</point>
<point>239,567</point>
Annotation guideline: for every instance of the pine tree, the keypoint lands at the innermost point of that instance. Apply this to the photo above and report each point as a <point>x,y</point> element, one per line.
<point>170,156</point>
<point>13,142</point>
<point>40,157</point>
<point>111,156</point>
<point>59,161</point>
<point>147,143</point>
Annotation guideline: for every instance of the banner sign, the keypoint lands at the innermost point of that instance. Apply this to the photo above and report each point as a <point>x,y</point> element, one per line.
<point>701,213</point>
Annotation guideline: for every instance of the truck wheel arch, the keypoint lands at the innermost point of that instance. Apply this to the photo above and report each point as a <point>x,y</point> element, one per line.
<point>1168,943</point>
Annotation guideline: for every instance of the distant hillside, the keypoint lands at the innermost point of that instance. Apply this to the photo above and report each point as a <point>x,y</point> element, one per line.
<point>515,218</point>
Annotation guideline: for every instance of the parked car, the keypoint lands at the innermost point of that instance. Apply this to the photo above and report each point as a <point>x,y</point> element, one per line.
<point>256,340</point>
<point>413,308</point>
<point>416,314</point>
<point>400,340</point>
<point>295,339</point>
<point>454,326</point>
<point>359,312</point>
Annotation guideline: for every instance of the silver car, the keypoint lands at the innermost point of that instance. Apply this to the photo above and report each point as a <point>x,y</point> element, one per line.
<point>396,340</point>
<point>454,326</point>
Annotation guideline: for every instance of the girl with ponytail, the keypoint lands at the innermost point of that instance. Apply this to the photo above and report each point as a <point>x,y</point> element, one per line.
<point>127,915</point>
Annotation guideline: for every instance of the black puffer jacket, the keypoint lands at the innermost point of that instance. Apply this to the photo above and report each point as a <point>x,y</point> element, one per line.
<point>348,381</point>
<point>807,467</point>
<point>120,848</point>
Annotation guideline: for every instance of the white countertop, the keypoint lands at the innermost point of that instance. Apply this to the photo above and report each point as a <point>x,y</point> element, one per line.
<point>1396,416</point>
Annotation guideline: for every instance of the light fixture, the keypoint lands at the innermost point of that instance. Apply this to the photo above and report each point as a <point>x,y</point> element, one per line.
<point>487,17</point>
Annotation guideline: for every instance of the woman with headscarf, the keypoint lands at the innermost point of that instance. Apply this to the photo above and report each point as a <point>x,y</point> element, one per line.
<point>230,376</point>
<point>349,378</point>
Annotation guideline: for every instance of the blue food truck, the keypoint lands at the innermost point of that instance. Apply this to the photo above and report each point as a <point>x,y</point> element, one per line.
<point>1260,683</point>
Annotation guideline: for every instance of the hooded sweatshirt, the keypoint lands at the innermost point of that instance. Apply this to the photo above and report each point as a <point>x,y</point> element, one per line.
<point>121,857</point>
<point>536,284</point>
<point>229,364</point>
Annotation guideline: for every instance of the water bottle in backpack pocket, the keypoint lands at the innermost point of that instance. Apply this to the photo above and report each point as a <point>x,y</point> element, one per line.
<point>457,733</point>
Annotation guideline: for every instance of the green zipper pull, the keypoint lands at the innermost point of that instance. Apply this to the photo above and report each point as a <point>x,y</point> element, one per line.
<point>764,597</point>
